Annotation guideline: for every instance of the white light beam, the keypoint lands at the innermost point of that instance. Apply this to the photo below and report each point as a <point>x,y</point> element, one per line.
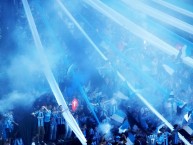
<point>106,10</point>
<point>156,112</point>
<point>159,15</point>
<point>80,28</point>
<point>50,77</point>
<point>132,27</point>
<point>137,30</point>
<point>175,8</point>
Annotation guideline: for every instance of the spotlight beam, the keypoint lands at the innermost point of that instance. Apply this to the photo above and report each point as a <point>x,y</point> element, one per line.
<point>156,112</point>
<point>137,30</point>
<point>175,8</point>
<point>84,95</point>
<point>79,27</point>
<point>96,48</point>
<point>82,91</point>
<point>100,7</point>
<point>132,27</point>
<point>49,75</point>
<point>159,15</point>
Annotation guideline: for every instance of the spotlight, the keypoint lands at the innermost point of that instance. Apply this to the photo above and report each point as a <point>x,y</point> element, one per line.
<point>175,8</point>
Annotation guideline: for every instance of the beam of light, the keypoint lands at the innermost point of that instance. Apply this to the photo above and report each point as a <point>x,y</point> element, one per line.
<point>145,76</point>
<point>158,30</point>
<point>50,77</point>
<point>159,15</point>
<point>137,30</point>
<point>155,112</point>
<point>125,59</point>
<point>132,27</point>
<point>79,27</point>
<point>120,76</point>
<point>164,120</point>
<point>96,48</point>
<point>175,8</point>
<point>123,78</point>
<point>98,7</point>
<point>82,92</point>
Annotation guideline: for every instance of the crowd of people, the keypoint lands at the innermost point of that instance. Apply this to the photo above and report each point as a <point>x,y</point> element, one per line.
<point>143,126</point>
<point>164,81</point>
<point>51,128</point>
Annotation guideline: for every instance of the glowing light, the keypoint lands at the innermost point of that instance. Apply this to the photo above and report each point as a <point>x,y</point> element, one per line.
<point>88,102</point>
<point>160,16</point>
<point>120,76</point>
<point>80,28</point>
<point>155,112</point>
<point>132,27</point>
<point>125,23</point>
<point>50,77</point>
<point>71,73</point>
<point>74,104</point>
<point>138,31</point>
<point>105,128</point>
<point>175,8</point>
